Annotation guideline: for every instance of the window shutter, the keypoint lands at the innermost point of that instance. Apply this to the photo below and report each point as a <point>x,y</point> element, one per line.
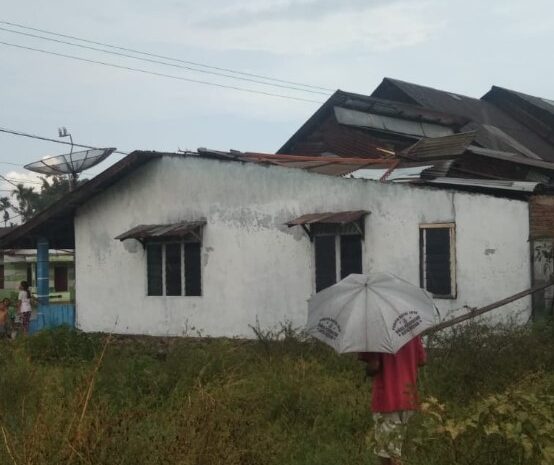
<point>438,279</point>
<point>193,269</point>
<point>350,255</point>
<point>325,262</point>
<point>173,269</point>
<point>154,268</point>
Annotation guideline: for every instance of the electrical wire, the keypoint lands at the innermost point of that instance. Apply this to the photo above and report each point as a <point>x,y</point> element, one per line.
<point>140,52</point>
<point>34,136</point>
<point>154,73</point>
<point>149,60</point>
<point>48,139</point>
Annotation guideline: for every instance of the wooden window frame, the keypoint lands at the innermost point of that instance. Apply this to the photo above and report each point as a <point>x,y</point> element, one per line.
<point>338,256</point>
<point>422,276</point>
<point>163,245</point>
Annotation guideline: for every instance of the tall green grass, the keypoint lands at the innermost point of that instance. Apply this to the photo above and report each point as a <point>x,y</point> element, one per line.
<point>73,398</point>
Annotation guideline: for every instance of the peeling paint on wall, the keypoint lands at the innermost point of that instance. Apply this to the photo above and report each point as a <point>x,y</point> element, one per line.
<point>253,265</point>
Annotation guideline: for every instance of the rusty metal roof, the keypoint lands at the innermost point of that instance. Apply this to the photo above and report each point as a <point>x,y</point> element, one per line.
<point>162,231</point>
<point>329,218</point>
<point>440,148</point>
<point>330,165</point>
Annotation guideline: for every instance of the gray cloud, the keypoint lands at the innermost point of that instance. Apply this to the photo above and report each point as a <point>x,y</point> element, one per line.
<point>290,10</point>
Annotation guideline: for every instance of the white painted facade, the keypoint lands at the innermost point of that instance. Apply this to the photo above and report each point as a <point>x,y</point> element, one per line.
<point>256,268</point>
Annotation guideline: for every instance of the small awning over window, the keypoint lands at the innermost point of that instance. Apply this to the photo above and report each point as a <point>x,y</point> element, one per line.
<point>329,218</point>
<point>181,230</point>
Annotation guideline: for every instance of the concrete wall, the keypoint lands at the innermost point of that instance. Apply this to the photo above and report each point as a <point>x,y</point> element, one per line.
<point>254,267</point>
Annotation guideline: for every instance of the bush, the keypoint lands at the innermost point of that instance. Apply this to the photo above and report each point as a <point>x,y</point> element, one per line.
<point>280,399</point>
<point>63,345</point>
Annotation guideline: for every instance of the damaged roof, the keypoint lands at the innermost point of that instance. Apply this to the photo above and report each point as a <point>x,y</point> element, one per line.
<point>496,128</point>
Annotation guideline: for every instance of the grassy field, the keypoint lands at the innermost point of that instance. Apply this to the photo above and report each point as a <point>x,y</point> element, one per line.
<point>72,398</point>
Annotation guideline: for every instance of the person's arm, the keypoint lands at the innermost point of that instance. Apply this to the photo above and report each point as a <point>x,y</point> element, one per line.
<point>19,302</point>
<point>372,361</point>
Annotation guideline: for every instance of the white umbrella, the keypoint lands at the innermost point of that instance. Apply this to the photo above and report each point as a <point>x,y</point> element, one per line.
<point>376,312</point>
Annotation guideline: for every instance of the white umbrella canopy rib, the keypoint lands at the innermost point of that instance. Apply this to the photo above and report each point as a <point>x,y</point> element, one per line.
<point>377,312</point>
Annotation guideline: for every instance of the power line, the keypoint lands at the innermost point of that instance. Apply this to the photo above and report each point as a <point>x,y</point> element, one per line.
<point>259,76</point>
<point>149,60</point>
<point>8,181</point>
<point>34,136</point>
<point>10,163</point>
<point>22,181</point>
<point>48,139</point>
<point>154,73</point>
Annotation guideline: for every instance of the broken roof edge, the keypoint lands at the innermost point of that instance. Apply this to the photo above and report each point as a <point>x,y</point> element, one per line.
<point>340,98</point>
<point>313,120</point>
<point>66,205</point>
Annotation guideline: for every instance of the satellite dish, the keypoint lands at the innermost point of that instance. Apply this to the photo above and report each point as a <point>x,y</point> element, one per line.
<point>70,163</point>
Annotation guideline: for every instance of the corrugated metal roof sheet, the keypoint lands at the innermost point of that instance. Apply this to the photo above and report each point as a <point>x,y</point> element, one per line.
<point>511,157</point>
<point>481,112</point>
<point>162,231</point>
<point>329,218</point>
<point>392,124</point>
<point>397,175</point>
<point>331,165</point>
<point>437,148</point>
<point>514,186</point>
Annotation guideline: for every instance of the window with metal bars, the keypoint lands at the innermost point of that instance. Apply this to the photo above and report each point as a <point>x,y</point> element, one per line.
<point>174,269</point>
<point>438,259</point>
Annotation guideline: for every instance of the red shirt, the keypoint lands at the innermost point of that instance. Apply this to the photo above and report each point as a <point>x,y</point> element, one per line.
<point>395,386</point>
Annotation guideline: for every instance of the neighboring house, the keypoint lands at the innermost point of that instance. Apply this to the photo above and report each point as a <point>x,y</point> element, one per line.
<point>20,265</point>
<point>474,138</point>
<point>449,140</point>
<point>216,242</point>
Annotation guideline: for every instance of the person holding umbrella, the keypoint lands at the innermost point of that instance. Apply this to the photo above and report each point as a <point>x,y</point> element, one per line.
<point>379,316</point>
<point>394,396</point>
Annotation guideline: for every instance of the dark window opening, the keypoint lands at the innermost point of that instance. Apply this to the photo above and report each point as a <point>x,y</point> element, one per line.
<point>436,261</point>
<point>166,272</point>
<point>325,262</point>
<point>350,255</point>
<point>193,268</point>
<point>173,269</point>
<point>60,279</point>
<point>154,269</point>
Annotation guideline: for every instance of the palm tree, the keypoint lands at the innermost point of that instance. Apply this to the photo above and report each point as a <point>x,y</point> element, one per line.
<point>26,201</point>
<point>4,206</point>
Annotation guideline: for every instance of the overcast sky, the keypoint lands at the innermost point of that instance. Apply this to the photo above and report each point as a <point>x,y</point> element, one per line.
<point>460,46</point>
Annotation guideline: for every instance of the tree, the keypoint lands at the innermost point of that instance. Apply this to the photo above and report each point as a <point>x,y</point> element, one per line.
<point>5,205</point>
<point>31,202</point>
<point>26,201</point>
<point>53,188</point>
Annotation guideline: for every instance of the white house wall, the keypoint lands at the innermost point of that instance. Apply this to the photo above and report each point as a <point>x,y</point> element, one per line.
<point>256,268</point>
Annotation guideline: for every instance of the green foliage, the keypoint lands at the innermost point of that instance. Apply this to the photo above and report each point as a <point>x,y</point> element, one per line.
<point>29,202</point>
<point>73,398</point>
<point>62,345</point>
<point>515,427</point>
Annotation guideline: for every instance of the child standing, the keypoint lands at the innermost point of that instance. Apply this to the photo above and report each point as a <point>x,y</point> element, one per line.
<point>4,317</point>
<point>24,305</point>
